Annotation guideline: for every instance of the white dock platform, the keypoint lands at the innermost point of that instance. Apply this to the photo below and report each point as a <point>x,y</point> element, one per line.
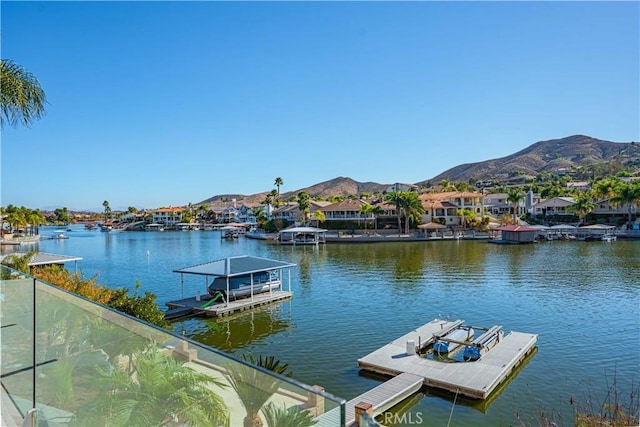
<point>473,379</point>
<point>382,397</point>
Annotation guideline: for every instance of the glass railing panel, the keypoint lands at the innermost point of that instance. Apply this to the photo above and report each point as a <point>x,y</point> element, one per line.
<point>367,420</point>
<point>95,366</point>
<point>16,343</point>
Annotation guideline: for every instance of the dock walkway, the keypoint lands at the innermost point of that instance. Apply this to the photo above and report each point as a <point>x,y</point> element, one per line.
<point>382,397</point>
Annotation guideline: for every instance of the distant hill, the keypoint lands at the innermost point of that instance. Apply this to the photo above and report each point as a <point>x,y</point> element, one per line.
<point>340,186</point>
<point>550,156</point>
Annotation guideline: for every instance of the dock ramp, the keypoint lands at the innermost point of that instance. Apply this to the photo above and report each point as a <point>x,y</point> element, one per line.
<point>382,397</point>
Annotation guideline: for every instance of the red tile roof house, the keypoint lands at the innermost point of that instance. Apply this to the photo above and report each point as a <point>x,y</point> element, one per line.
<point>347,214</point>
<point>445,206</point>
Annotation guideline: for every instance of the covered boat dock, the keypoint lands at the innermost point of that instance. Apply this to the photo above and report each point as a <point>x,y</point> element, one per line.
<point>223,303</point>
<point>302,236</point>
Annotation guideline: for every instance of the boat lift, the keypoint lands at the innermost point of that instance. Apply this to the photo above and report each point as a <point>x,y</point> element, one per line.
<point>456,334</point>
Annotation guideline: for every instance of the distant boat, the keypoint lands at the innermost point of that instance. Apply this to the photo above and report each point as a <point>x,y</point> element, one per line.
<point>246,284</point>
<point>261,235</point>
<point>60,236</point>
<point>609,238</point>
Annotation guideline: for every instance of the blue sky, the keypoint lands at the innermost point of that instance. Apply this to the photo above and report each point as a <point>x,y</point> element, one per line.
<point>168,103</point>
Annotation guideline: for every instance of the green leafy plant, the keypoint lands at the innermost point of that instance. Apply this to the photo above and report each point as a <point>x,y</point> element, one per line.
<point>293,416</point>
<point>255,387</point>
<point>161,391</point>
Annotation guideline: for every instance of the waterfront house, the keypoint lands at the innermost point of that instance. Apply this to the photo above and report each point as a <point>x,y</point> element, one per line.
<point>290,212</point>
<point>578,185</point>
<point>554,206</point>
<point>168,216</point>
<point>399,186</point>
<point>230,214</point>
<point>245,215</point>
<point>608,208</point>
<point>346,210</point>
<point>498,204</point>
<point>443,207</point>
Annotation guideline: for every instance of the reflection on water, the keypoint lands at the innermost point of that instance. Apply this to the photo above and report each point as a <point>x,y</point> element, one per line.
<point>238,331</point>
<point>348,300</point>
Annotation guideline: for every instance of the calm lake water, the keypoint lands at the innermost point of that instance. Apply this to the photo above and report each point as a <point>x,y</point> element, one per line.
<point>581,298</point>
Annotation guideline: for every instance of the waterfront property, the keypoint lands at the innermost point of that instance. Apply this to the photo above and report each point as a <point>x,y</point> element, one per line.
<point>476,379</point>
<point>167,216</point>
<point>232,284</point>
<point>446,206</point>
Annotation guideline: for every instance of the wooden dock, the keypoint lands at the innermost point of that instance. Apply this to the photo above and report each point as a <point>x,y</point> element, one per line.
<point>381,398</point>
<point>227,308</point>
<point>475,379</point>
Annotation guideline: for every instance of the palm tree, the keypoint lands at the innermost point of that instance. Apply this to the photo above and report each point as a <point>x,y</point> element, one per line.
<point>268,201</point>
<point>467,216</point>
<point>413,208</point>
<point>254,387</point>
<point>278,183</point>
<point>16,219</point>
<point>447,186</point>
<point>22,98</point>
<point>107,210</point>
<point>320,216</point>
<point>514,196</point>
<point>627,194</point>
<point>366,209</point>
<point>259,214</point>
<point>396,198</point>
<point>605,188</point>
<point>161,391</point>
<point>34,218</point>
<point>203,209</point>
<point>583,207</point>
<point>275,196</point>
<point>376,211</point>
<point>304,203</point>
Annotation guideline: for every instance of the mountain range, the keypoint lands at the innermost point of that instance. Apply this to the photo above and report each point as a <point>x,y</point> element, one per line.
<point>544,156</point>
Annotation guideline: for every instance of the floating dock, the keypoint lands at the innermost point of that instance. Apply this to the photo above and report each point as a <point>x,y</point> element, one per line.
<point>200,306</point>
<point>475,379</point>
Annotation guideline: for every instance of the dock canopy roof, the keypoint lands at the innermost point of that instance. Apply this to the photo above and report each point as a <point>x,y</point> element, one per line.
<point>42,258</point>
<point>303,230</point>
<point>235,266</point>
<point>516,228</point>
